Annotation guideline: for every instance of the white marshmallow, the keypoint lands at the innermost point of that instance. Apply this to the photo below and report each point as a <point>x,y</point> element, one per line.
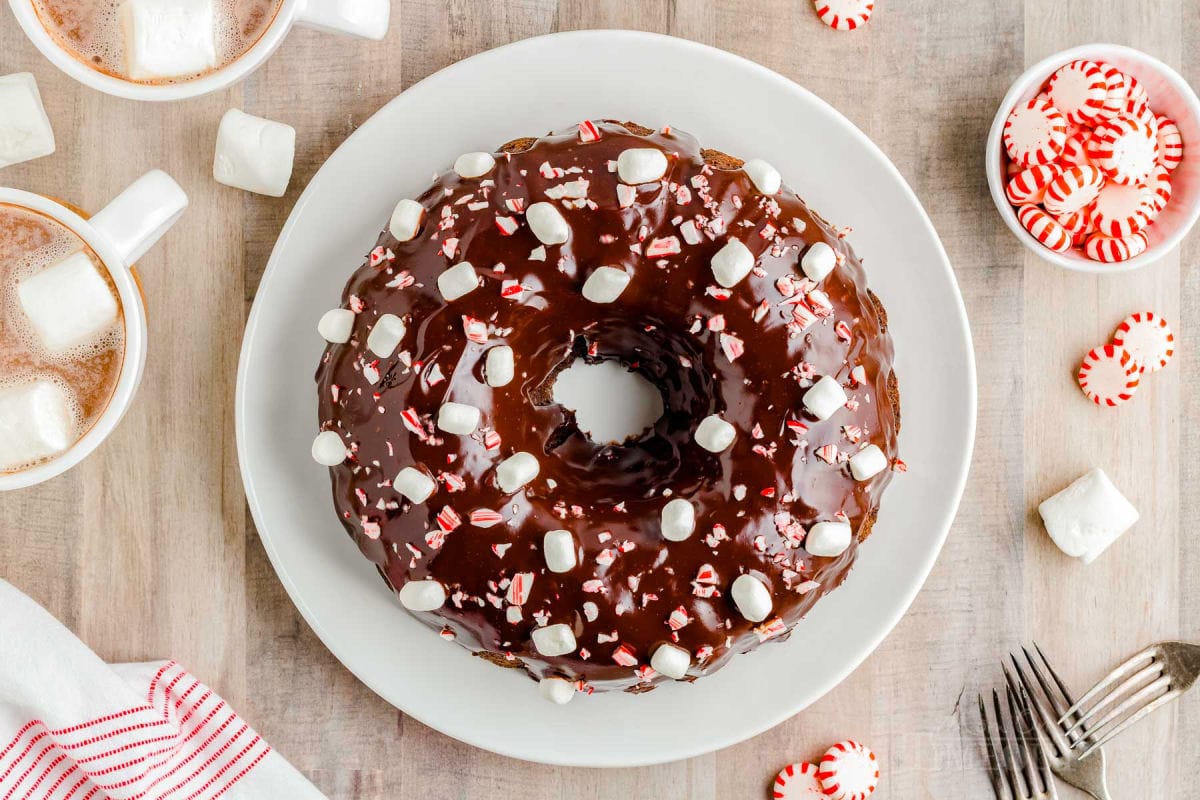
<point>732,263</point>
<point>474,165</point>
<point>414,484</point>
<point>25,131</point>
<point>254,154</point>
<point>641,165</point>
<point>824,397</point>
<point>458,418</point>
<point>457,281</point>
<point>328,449</point>
<point>828,539</point>
<point>671,660</point>
<point>714,434</point>
<point>36,421</point>
<point>68,303</point>
<point>336,325</point>
<point>818,261</point>
<point>387,334</point>
<point>558,547</point>
<point>516,471</point>
<point>406,219</point>
<point>168,38</point>
<point>605,284</point>
<point>867,463</point>
<point>547,223</point>
<point>752,598</point>
<point>678,520</point>
<point>554,640</point>
<point>765,177</point>
<point>500,366</point>
<point>557,690</point>
<point>1087,516</point>
<point>427,595</point>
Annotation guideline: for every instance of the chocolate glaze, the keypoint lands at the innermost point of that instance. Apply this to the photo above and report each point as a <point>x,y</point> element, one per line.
<point>609,496</point>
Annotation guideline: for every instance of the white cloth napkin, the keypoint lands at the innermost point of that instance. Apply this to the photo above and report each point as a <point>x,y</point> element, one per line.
<point>75,728</point>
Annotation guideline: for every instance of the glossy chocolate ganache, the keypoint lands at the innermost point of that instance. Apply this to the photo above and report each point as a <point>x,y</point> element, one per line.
<point>747,353</point>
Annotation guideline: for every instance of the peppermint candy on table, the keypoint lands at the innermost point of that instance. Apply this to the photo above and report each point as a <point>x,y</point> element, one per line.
<point>1108,375</point>
<point>1074,150</point>
<point>1170,143</point>
<point>1028,185</point>
<point>1045,228</point>
<point>1159,187</point>
<point>1034,133</point>
<point>844,15</point>
<point>1078,90</point>
<point>1072,189</point>
<point>1110,249</point>
<point>1124,148</point>
<point>1148,340</point>
<point>798,781</point>
<point>1121,210</point>
<point>1115,98</point>
<point>849,771</point>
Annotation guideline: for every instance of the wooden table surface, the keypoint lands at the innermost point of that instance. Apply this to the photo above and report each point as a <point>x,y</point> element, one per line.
<point>147,550</point>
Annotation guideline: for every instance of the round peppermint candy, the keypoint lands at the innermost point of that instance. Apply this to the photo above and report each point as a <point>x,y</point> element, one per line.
<point>1170,143</point>
<point>1160,190</point>
<point>1148,340</point>
<point>1072,189</point>
<point>1075,149</point>
<point>1077,222</point>
<point>844,15</point>
<point>1110,249</point>
<point>1044,228</point>
<point>1027,186</point>
<point>849,771</point>
<point>1117,91</point>
<point>798,782</point>
<point>1120,209</point>
<point>1078,90</point>
<point>1034,133</point>
<point>1108,375</point>
<point>1125,148</point>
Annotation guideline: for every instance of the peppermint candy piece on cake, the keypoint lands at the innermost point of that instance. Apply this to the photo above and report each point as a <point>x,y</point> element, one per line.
<point>1072,189</point>
<point>844,15</point>
<point>849,771</point>
<point>1121,210</point>
<point>1029,185</point>
<point>1108,375</point>
<point>1044,228</point>
<point>1035,133</point>
<point>1125,148</point>
<point>1078,90</point>
<point>1170,143</point>
<point>1148,340</point>
<point>1112,249</point>
<point>798,781</point>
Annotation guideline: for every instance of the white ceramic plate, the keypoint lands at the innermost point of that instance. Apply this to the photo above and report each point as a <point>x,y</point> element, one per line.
<point>529,88</point>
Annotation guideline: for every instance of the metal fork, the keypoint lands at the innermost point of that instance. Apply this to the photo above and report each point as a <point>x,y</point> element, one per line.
<point>1149,679</point>
<point>1016,777</point>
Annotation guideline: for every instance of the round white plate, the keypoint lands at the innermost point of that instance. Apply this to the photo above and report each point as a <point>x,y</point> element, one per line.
<point>529,88</point>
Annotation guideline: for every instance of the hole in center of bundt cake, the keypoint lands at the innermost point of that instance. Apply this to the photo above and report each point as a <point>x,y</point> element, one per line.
<point>612,404</point>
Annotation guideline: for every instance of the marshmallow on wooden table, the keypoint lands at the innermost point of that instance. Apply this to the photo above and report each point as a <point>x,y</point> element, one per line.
<point>558,548</point>
<point>25,131</point>
<point>605,284</point>
<point>714,434</point>
<point>752,598</point>
<point>37,420</point>
<point>557,690</point>
<point>824,398</point>
<point>168,38</point>
<point>458,418</point>
<point>516,471</point>
<point>414,484</point>
<point>68,303</point>
<point>554,640</point>
<point>254,154</point>
<point>1087,516</point>
<point>827,539</point>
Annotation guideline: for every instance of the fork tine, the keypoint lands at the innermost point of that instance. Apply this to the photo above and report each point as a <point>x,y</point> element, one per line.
<point>1166,698</point>
<point>1008,748</point>
<point>1039,745</point>
<point>1062,687</point>
<point>1133,683</point>
<point>1130,665</point>
<point>1146,694</point>
<point>998,785</point>
<point>1058,705</point>
<point>1060,743</point>
<point>1022,722</point>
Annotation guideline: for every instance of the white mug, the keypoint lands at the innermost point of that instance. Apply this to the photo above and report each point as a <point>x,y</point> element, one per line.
<point>364,18</point>
<point>120,233</point>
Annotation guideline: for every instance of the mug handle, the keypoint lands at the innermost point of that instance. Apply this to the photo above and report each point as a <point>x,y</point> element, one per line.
<point>367,19</point>
<point>138,217</point>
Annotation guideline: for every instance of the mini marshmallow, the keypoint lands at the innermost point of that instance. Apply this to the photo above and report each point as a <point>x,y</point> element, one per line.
<point>732,263</point>
<point>641,165</point>
<point>554,640</point>
<point>335,325</point>
<point>678,520</point>
<point>406,219</point>
<point>457,281</point>
<point>714,434</point>
<point>68,303</point>
<point>867,463</point>
<point>168,38</point>
<point>458,418</point>
<point>25,132</point>
<point>328,449</point>
<point>517,470</point>
<point>818,261</point>
<point>605,284</point>
<point>765,177</point>
<point>824,398</point>
<point>547,223</point>
<point>500,366</point>
<point>36,421</point>
<point>752,598</point>
<point>474,165</point>
<point>414,484</point>
<point>557,690</point>
<point>254,154</point>
<point>558,547</point>
<point>1087,516</point>
<point>428,595</point>
<point>386,335</point>
<point>671,660</point>
<point>828,539</point>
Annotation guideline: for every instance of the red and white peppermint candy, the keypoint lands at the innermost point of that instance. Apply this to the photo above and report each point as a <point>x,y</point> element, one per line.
<point>1072,189</point>
<point>1120,210</point>
<point>848,771</point>
<point>1135,91</point>
<point>1139,110</point>
<point>1044,228</point>
<point>1028,185</point>
<point>1108,375</point>
<point>1170,143</point>
<point>1034,133</point>
<point>1116,91</point>
<point>1078,90</point>
<point>1148,340</point>
<point>1078,222</point>
<point>798,782</point>
<point>1126,149</point>
<point>844,15</point>
<point>1110,249</point>
<point>1074,150</point>
<point>1160,190</point>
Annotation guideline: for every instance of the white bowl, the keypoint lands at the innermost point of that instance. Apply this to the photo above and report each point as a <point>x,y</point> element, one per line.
<point>1169,93</point>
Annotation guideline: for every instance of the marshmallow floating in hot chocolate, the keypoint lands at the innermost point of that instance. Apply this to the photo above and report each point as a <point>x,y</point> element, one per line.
<point>328,449</point>
<point>335,325</point>
<point>25,131</point>
<point>406,219</point>
<point>168,38</point>
<point>37,420</point>
<point>254,154</point>
<point>516,471</point>
<point>68,303</point>
<point>678,520</point>
<point>824,398</point>
<point>715,434</point>
<point>732,263</point>
<point>605,284</point>
<point>557,690</point>
<point>458,281</point>
<point>1087,516</point>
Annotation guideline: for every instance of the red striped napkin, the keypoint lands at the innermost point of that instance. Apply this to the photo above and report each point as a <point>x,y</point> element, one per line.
<point>73,727</point>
